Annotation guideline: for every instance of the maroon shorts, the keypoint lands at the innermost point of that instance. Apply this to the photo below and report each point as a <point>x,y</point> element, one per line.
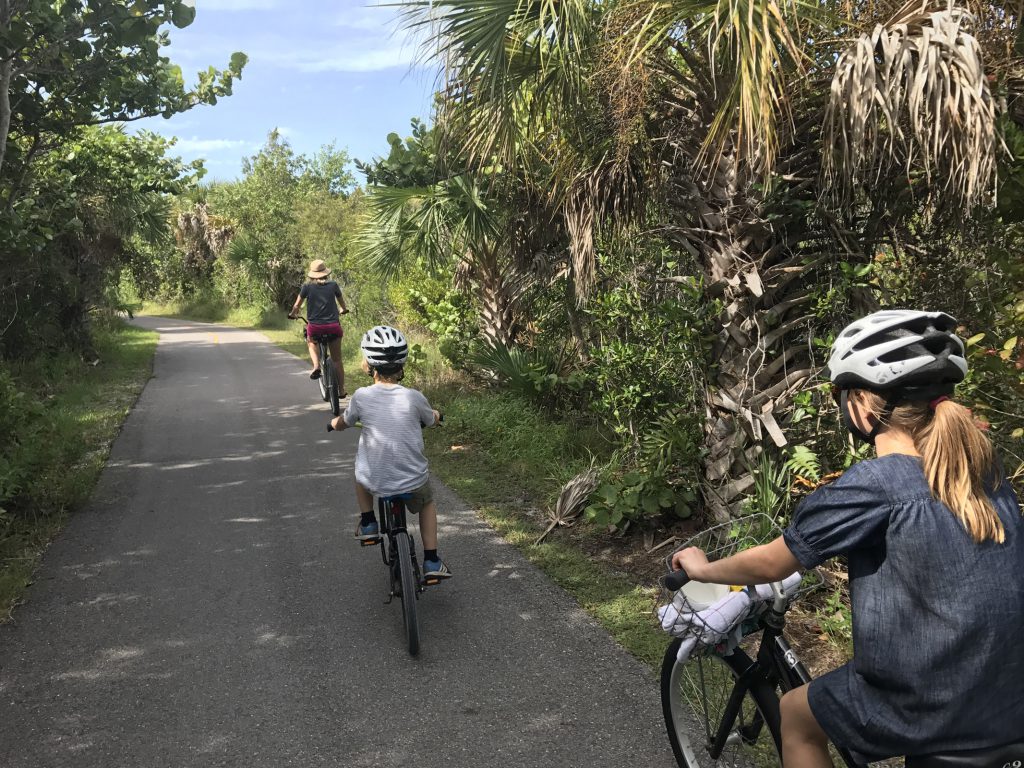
<point>330,330</point>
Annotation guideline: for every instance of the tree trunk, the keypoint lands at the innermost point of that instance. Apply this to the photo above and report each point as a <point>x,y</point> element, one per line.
<point>763,287</point>
<point>5,107</point>
<point>498,322</point>
<point>6,69</point>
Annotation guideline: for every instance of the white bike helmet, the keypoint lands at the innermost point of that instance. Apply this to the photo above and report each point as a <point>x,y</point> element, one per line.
<point>913,355</point>
<point>384,346</point>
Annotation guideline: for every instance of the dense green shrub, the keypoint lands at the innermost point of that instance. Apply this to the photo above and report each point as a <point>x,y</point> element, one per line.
<point>26,445</point>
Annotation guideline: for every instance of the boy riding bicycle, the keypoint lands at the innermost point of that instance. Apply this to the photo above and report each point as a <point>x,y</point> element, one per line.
<point>390,460</point>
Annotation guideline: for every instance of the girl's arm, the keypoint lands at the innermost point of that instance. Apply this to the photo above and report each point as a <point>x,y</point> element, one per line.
<point>757,565</point>
<point>295,308</point>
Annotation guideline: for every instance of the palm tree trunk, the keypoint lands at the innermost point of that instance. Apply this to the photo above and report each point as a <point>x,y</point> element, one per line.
<point>500,321</point>
<point>763,288</point>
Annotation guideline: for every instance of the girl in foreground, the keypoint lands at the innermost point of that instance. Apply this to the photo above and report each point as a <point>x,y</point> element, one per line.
<point>934,540</point>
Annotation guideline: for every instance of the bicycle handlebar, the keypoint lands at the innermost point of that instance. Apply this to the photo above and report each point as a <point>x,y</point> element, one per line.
<point>440,420</point>
<point>675,580</point>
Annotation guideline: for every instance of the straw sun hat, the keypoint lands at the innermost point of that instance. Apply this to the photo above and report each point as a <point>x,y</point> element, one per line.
<point>318,269</point>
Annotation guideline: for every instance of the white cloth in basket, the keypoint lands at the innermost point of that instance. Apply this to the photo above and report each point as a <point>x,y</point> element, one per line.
<point>719,622</point>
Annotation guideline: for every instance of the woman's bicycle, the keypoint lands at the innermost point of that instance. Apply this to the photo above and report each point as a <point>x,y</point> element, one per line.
<point>721,703</point>
<point>328,379</point>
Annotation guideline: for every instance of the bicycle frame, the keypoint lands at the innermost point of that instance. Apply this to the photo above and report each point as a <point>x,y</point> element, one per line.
<point>325,351</point>
<point>776,664</point>
<point>392,520</point>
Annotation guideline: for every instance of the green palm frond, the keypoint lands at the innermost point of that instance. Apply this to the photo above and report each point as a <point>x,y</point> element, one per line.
<point>753,51</point>
<point>515,367</point>
<point>449,221</point>
<point>245,249</point>
<point>509,65</point>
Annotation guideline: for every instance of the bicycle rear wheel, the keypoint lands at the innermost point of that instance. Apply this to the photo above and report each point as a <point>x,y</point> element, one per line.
<point>694,696</point>
<point>408,580</point>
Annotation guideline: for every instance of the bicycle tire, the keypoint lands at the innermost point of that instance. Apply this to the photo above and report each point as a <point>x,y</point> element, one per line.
<point>334,395</point>
<point>408,582</point>
<point>322,381</point>
<point>692,713</point>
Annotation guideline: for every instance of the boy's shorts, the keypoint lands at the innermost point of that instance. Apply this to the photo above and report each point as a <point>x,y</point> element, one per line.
<point>420,498</point>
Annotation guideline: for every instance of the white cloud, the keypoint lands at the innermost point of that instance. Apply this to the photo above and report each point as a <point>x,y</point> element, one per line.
<point>211,145</point>
<point>341,60</point>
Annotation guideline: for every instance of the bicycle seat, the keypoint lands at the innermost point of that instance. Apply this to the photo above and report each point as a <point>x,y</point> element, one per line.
<point>396,497</point>
<point>1006,756</point>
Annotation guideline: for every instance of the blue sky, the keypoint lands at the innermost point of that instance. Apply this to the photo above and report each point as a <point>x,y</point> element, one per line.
<point>318,71</point>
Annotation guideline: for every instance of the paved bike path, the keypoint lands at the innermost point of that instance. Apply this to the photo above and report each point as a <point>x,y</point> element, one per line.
<point>210,608</point>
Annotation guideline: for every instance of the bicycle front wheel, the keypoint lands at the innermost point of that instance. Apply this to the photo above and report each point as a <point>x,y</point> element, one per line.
<point>694,699</point>
<point>408,579</point>
<point>322,381</point>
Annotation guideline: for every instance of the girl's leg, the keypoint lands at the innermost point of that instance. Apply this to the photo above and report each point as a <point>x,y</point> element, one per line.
<point>336,359</point>
<point>313,355</point>
<point>804,744</point>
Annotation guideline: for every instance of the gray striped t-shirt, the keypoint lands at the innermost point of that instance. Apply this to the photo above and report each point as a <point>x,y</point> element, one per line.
<point>390,458</point>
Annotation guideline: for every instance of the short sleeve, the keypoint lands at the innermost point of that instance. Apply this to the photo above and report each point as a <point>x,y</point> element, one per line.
<point>304,291</point>
<point>426,413</point>
<point>851,513</point>
<point>351,414</point>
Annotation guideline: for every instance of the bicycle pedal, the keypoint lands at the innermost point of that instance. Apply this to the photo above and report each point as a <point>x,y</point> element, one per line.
<point>369,542</point>
<point>432,582</point>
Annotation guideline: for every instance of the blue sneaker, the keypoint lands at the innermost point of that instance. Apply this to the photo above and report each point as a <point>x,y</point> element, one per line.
<point>435,570</point>
<point>368,532</point>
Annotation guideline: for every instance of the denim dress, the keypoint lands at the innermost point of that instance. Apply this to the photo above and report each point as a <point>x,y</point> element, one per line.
<point>938,620</point>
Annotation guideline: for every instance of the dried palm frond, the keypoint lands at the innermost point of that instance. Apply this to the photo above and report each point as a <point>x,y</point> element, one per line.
<point>571,500</point>
<point>913,94</point>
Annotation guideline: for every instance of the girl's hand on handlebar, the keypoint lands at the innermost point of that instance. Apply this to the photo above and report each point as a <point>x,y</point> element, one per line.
<point>337,423</point>
<point>692,560</point>
<point>344,311</point>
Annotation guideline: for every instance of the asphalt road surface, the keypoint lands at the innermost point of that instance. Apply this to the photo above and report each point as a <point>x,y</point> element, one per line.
<point>211,608</point>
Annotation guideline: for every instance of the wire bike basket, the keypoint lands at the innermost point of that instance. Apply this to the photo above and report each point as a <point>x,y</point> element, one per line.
<point>711,618</point>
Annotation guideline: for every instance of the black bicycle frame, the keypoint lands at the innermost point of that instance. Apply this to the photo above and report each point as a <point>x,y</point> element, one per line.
<point>776,664</point>
<point>392,520</point>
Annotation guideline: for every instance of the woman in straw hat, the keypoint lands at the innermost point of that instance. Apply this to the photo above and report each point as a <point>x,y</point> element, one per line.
<point>324,297</point>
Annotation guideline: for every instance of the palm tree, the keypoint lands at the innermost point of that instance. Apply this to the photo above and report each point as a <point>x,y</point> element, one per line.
<point>775,141</point>
<point>452,224</point>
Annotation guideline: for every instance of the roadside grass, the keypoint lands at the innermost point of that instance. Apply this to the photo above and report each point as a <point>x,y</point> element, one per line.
<point>506,458</point>
<point>82,412</point>
<point>502,455</point>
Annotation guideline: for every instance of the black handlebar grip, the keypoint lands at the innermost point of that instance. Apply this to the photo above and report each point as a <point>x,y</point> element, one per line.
<point>675,580</point>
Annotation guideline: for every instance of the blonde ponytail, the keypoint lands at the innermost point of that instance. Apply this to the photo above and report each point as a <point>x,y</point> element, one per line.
<point>958,459</point>
<point>959,464</point>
